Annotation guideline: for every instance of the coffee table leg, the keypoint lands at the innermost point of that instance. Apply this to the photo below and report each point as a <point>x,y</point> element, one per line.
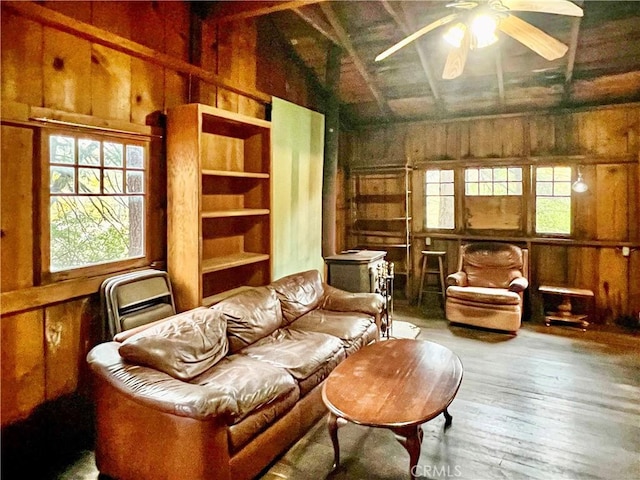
<point>447,418</point>
<point>411,439</point>
<point>332,423</point>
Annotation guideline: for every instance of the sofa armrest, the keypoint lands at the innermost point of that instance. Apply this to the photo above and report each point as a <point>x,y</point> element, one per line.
<point>158,390</point>
<point>341,301</point>
<point>518,284</point>
<point>458,279</point>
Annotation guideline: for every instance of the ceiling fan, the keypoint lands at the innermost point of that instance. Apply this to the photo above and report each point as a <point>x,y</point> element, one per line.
<point>477,22</point>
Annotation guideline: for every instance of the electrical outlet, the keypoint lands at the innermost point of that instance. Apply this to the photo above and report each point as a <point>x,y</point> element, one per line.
<point>625,251</point>
<point>427,241</point>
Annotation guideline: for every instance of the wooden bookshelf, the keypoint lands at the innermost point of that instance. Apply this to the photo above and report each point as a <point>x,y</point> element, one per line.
<point>219,203</point>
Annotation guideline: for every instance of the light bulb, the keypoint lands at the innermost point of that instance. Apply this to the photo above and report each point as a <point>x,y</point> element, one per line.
<point>579,186</point>
<point>483,28</point>
<point>455,35</point>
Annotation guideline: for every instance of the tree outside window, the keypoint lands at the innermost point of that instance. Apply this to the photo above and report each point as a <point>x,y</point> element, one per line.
<point>553,200</point>
<point>439,199</point>
<point>96,201</point>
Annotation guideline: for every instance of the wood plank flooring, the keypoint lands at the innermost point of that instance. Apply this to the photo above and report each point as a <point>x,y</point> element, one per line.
<point>550,403</point>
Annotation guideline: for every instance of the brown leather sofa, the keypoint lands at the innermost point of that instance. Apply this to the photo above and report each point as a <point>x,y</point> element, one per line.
<point>218,393</point>
<point>487,290</point>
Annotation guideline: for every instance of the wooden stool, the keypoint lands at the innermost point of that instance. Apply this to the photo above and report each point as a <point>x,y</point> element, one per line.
<point>427,270</point>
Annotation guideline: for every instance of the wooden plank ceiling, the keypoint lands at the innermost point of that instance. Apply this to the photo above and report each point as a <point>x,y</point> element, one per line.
<point>602,65</point>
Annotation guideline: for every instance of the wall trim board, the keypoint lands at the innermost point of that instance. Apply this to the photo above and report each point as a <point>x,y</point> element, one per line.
<point>30,298</point>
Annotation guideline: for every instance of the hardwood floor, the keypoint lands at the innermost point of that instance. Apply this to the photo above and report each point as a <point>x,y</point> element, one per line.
<point>550,403</point>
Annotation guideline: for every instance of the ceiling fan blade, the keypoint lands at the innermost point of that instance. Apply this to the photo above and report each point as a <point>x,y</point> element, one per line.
<point>416,35</point>
<point>457,57</point>
<point>559,7</point>
<point>532,37</point>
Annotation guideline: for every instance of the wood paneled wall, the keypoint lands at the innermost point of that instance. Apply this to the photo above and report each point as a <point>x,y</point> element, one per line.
<point>48,329</point>
<point>605,141</point>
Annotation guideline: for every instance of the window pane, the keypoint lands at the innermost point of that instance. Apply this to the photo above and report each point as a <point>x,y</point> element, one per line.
<point>83,233</point>
<point>439,212</point>
<point>113,181</point>
<point>544,174</point>
<point>499,174</point>
<point>439,200</point>
<point>471,189</point>
<point>514,174</point>
<point>135,182</point>
<point>433,189</point>
<point>62,179</point>
<point>88,152</point>
<point>486,174</point>
<point>61,149</point>
<point>500,188</point>
<point>544,188</point>
<point>113,153</point>
<point>446,189</point>
<point>135,156</point>
<point>553,215</point>
<point>562,174</point>
<point>433,176</point>
<point>514,188</point>
<point>486,188</point>
<point>471,175</point>
<point>89,180</point>
<point>562,189</point>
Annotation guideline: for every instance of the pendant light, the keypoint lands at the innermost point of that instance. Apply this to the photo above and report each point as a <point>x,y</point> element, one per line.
<point>579,186</point>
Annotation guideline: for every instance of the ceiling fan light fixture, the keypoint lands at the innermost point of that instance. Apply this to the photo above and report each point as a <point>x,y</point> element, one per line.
<point>453,36</point>
<point>483,29</point>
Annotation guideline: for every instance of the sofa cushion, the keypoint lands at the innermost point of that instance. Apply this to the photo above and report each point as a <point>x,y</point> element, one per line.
<point>250,383</point>
<point>251,315</point>
<point>346,326</point>
<point>300,353</point>
<point>245,430</point>
<point>495,296</point>
<point>183,346</point>
<point>299,293</point>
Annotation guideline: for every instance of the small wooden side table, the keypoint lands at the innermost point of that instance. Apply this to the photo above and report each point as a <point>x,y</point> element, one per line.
<point>564,313</point>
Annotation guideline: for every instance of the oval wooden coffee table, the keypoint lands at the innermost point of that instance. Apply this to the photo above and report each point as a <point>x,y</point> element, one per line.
<point>396,384</point>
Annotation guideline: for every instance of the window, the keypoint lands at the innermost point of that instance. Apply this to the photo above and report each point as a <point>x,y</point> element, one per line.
<point>553,200</point>
<point>439,199</point>
<point>97,200</point>
<point>494,181</point>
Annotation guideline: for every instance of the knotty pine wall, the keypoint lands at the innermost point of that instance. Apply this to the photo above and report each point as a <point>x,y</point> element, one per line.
<point>604,140</point>
<point>48,329</point>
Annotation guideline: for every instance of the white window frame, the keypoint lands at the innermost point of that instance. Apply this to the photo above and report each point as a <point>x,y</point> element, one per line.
<point>45,224</point>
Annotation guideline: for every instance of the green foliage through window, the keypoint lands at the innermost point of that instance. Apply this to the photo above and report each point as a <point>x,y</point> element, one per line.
<point>97,201</point>
<point>553,200</point>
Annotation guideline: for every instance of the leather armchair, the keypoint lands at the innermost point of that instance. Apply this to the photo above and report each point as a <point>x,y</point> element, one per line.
<point>487,290</point>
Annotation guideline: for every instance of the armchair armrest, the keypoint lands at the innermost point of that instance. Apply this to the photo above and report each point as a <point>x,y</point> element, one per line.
<point>458,279</point>
<point>341,301</point>
<point>518,284</point>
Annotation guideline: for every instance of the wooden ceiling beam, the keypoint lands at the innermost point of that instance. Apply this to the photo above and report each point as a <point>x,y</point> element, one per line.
<point>357,61</point>
<point>571,56</point>
<point>408,27</point>
<point>223,12</point>
<point>320,25</point>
